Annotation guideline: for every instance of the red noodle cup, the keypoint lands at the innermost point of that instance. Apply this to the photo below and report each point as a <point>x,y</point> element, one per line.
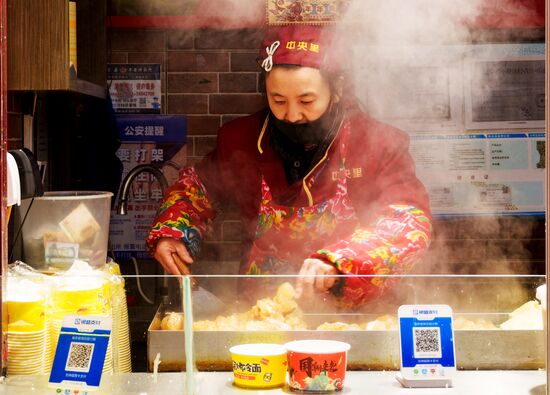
<point>316,365</point>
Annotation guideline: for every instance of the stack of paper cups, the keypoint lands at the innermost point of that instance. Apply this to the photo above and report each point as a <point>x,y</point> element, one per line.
<point>26,335</point>
<point>121,330</point>
<point>26,352</point>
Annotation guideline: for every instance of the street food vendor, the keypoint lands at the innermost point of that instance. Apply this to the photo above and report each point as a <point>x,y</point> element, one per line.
<point>321,188</point>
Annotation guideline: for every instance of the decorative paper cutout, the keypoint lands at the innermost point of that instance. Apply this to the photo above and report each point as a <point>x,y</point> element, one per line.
<point>316,12</point>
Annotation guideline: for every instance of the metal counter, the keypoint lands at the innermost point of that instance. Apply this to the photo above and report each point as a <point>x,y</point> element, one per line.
<point>370,350</point>
<point>504,382</point>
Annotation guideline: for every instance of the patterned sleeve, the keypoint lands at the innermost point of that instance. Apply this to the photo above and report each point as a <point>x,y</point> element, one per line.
<point>397,241</point>
<point>186,213</point>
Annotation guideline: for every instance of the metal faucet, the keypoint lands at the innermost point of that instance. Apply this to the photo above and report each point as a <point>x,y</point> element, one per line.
<point>123,210</point>
<point>123,199</point>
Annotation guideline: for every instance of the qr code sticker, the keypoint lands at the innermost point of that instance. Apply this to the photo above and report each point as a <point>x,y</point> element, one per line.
<point>427,342</point>
<point>80,357</point>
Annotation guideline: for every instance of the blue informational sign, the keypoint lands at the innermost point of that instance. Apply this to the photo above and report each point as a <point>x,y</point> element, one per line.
<point>80,353</point>
<point>158,140</point>
<point>152,128</point>
<point>427,345</point>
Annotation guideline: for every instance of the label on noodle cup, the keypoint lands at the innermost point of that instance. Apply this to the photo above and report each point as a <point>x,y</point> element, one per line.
<point>244,376</point>
<point>317,365</point>
<point>259,365</point>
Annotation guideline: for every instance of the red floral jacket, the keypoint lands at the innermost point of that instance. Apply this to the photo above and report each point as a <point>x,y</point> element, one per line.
<point>391,204</point>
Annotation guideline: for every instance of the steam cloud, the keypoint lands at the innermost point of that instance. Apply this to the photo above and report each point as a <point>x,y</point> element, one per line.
<point>412,21</point>
<point>384,36</point>
<point>395,46</point>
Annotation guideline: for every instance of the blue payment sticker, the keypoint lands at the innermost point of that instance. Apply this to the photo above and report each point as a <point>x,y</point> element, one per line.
<point>427,343</point>
<point>80,353</point>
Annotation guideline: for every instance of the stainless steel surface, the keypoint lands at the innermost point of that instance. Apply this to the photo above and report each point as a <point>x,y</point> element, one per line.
<point>489,300</point>
<point>527,382</point>
<point>133,173</point>
<point>370,350</point>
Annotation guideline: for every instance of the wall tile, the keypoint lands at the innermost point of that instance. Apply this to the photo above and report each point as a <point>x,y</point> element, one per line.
<point>193,160</point>
<point>192,82</point>
<point>137,40</point>
<point>238,82</point>
<point>210,251</point>
<point>444,228</point>
<point>239,38</point>
<point>187,104</point>
<point>216,231</point>
<point>198,61</point>
<point>228,118</point>
<point>245,61</point>
<point>231,251</point>
<point>527,227</point>
<point>232,231</point>
<point>203,124</point>
<point>496,227</point>
<point>204,144</point>
<point>261,82</point>
<point>180,39</point>
<point>463,255</point>
<point>516,249</point>
<point>235,103</point>
<point>147,57</point>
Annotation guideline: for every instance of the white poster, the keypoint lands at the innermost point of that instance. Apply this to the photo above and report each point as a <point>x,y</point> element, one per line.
<point>135,88</point>
<point>504,86</point>
<point>500,173</point>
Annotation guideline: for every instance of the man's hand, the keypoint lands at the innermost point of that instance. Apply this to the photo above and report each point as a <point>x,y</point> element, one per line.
<point>307,286</point>
<point>173,256</point>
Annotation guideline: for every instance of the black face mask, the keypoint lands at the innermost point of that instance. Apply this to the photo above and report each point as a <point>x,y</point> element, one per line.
<point>311,133</point>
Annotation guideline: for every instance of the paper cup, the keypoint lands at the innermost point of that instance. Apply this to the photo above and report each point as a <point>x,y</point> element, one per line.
<point>26,316</point>
<point>317,365</point>
<point>80,301</point>
<point>259,365</point>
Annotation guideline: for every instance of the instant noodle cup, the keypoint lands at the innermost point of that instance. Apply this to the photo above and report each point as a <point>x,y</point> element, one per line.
<point>259,365</point>
<point>316,365</point>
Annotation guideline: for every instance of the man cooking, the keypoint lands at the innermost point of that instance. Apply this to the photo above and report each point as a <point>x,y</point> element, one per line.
<point>322,188</point>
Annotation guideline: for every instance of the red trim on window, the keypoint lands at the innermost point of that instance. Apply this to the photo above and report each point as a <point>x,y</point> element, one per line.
<point>204,15</point>
<point>179,22</point>
<point>511,14</point>
<point>495,14</point>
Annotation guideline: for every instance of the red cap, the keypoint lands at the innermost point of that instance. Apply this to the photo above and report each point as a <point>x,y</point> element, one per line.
<point>302,45</point>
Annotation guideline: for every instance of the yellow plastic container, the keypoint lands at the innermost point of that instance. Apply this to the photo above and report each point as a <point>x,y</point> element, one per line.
<point>26,316</point>
<point>259,365</point>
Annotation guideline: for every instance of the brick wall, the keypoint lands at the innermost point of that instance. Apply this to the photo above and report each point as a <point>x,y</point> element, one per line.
<point>487,245</point>
<point>212,76</point>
